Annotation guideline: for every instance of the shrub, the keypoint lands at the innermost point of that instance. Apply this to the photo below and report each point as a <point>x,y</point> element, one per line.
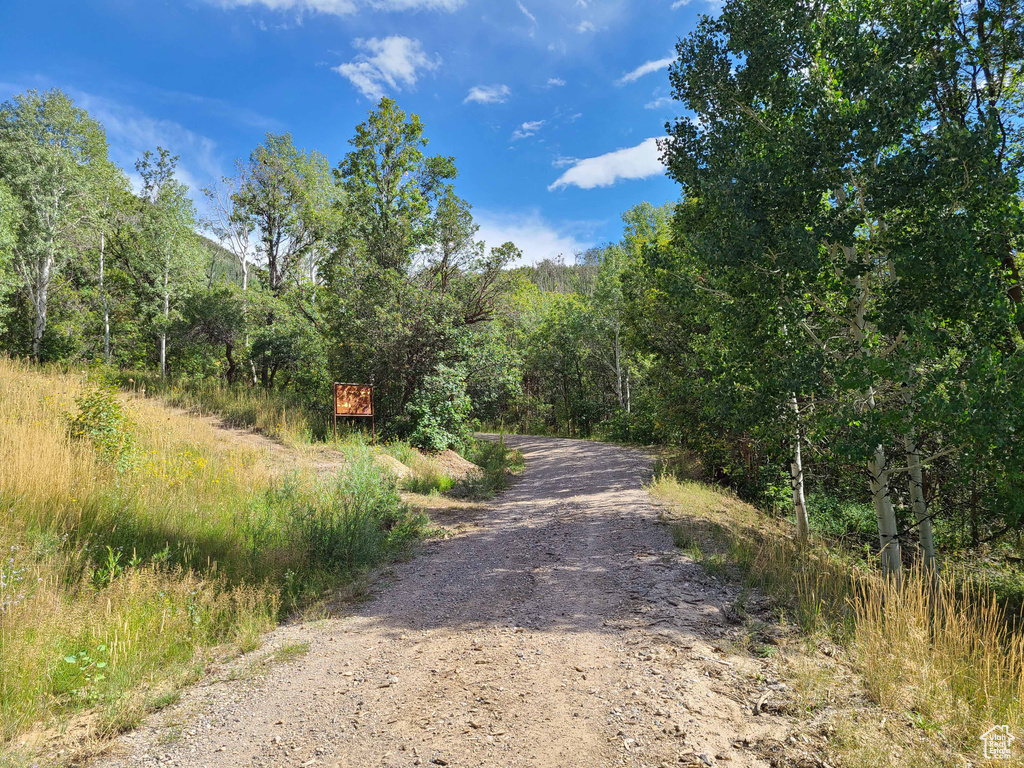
<point>636,427</point>
<point>102,421</point>
<point>496,460</point>
<point>439,410</point>
<point>428,481</point>
<point>352,521</point>
<point>835,517</point>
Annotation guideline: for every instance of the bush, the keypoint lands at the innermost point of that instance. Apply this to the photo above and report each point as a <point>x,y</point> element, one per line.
<point>635,427</point>
<point>496,460</point>
<point>439,411</point>
<point>352,521</point>
<point>102,421</point>
<point>428,481</point>
<point>834,517</point>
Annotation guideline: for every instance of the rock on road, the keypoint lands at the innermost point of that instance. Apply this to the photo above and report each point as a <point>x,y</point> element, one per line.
<point>561,629</point>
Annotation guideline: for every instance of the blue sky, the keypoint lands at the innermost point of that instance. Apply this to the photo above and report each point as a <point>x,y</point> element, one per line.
<point>549,106</point>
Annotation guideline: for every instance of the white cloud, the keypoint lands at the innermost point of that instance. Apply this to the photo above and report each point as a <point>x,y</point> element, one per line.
<point>390,62</point>
<point>585,26</point>
<point>526,13</point>
<point>645,69</point>
<point>555,82</point>
<point>527,129</point>
<point>639,162</point>
<point>131,132</point>
<point>417,5</point>
<point>342,7</point>
<point>713,4</point>
<point>658,103</point>
<point>334,7</point>
<point>488,94</point>
<point>537,238</point>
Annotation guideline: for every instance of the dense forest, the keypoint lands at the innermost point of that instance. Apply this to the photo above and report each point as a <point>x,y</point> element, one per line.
<point>830,318</point>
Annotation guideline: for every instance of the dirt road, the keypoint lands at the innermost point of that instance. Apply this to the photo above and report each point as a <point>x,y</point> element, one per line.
<point>560,629</point>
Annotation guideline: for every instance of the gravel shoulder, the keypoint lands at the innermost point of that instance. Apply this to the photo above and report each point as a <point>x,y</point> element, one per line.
<point>558,628</point>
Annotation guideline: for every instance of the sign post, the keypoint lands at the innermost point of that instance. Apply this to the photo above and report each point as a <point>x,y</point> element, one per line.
<point>354,400</point>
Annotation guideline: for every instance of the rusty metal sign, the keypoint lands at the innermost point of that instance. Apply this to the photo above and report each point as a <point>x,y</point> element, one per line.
<point>353,400</point>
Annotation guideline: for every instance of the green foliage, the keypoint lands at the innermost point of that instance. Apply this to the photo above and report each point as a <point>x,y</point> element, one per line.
<point>10,217</point>
<point>498,463</point>
<point>53,158</point>
<point>839,518</point>
<point>827,254</point>
<point>387,165</point>
<point>400,450</point>
<point>439,411</point>
<point>350,522</point>
<point>101,419</point>
<point>428,481</point>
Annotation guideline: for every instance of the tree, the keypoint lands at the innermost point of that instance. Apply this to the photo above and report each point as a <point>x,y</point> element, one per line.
<point>168,225</point>
<point>784,155</point>
<point>841,198</point>
<point>10,215</point>
<point>50,154</point>
<point>276,197</point>
<point>391,186</point>
<point>232,228</point>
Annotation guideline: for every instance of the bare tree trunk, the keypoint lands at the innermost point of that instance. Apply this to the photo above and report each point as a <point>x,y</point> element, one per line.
<point>627,391</point>
<point>41,292</point>
<point>103,300</point>
<point>618,368</point>
<point>917,500</point>
<point>924,520</point>
<point>888,542</point>
<point>163,329</point>
<point>244,263</point>
<point>796,469</point>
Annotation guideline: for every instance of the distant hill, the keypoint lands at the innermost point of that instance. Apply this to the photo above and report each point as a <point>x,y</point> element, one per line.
<point>223,264</point>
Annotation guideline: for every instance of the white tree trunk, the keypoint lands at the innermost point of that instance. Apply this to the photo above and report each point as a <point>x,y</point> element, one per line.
<point>924,520</point>
<point>917,500</point>
<point>163,329</point>
<point>888,543</point>
<point>796,469</point>
<point>618,368</point>
<point>40,295</point>
<point>103,300</point>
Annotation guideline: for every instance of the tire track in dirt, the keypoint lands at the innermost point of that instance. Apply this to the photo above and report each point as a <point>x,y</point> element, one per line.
<point>561,629</point>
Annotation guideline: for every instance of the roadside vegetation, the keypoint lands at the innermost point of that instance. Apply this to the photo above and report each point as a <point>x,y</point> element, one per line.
<point>938,655</point>
<point>279,414</point>
<point>138,546</point>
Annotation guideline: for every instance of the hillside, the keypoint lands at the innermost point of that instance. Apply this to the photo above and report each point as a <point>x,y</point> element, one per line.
<point>145,542</point>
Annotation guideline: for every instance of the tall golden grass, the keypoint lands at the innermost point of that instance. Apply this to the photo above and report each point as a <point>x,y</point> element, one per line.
<point>939,649</point>
<point>118,582</point>
<point>70,641</point>
<point>273,413</point>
